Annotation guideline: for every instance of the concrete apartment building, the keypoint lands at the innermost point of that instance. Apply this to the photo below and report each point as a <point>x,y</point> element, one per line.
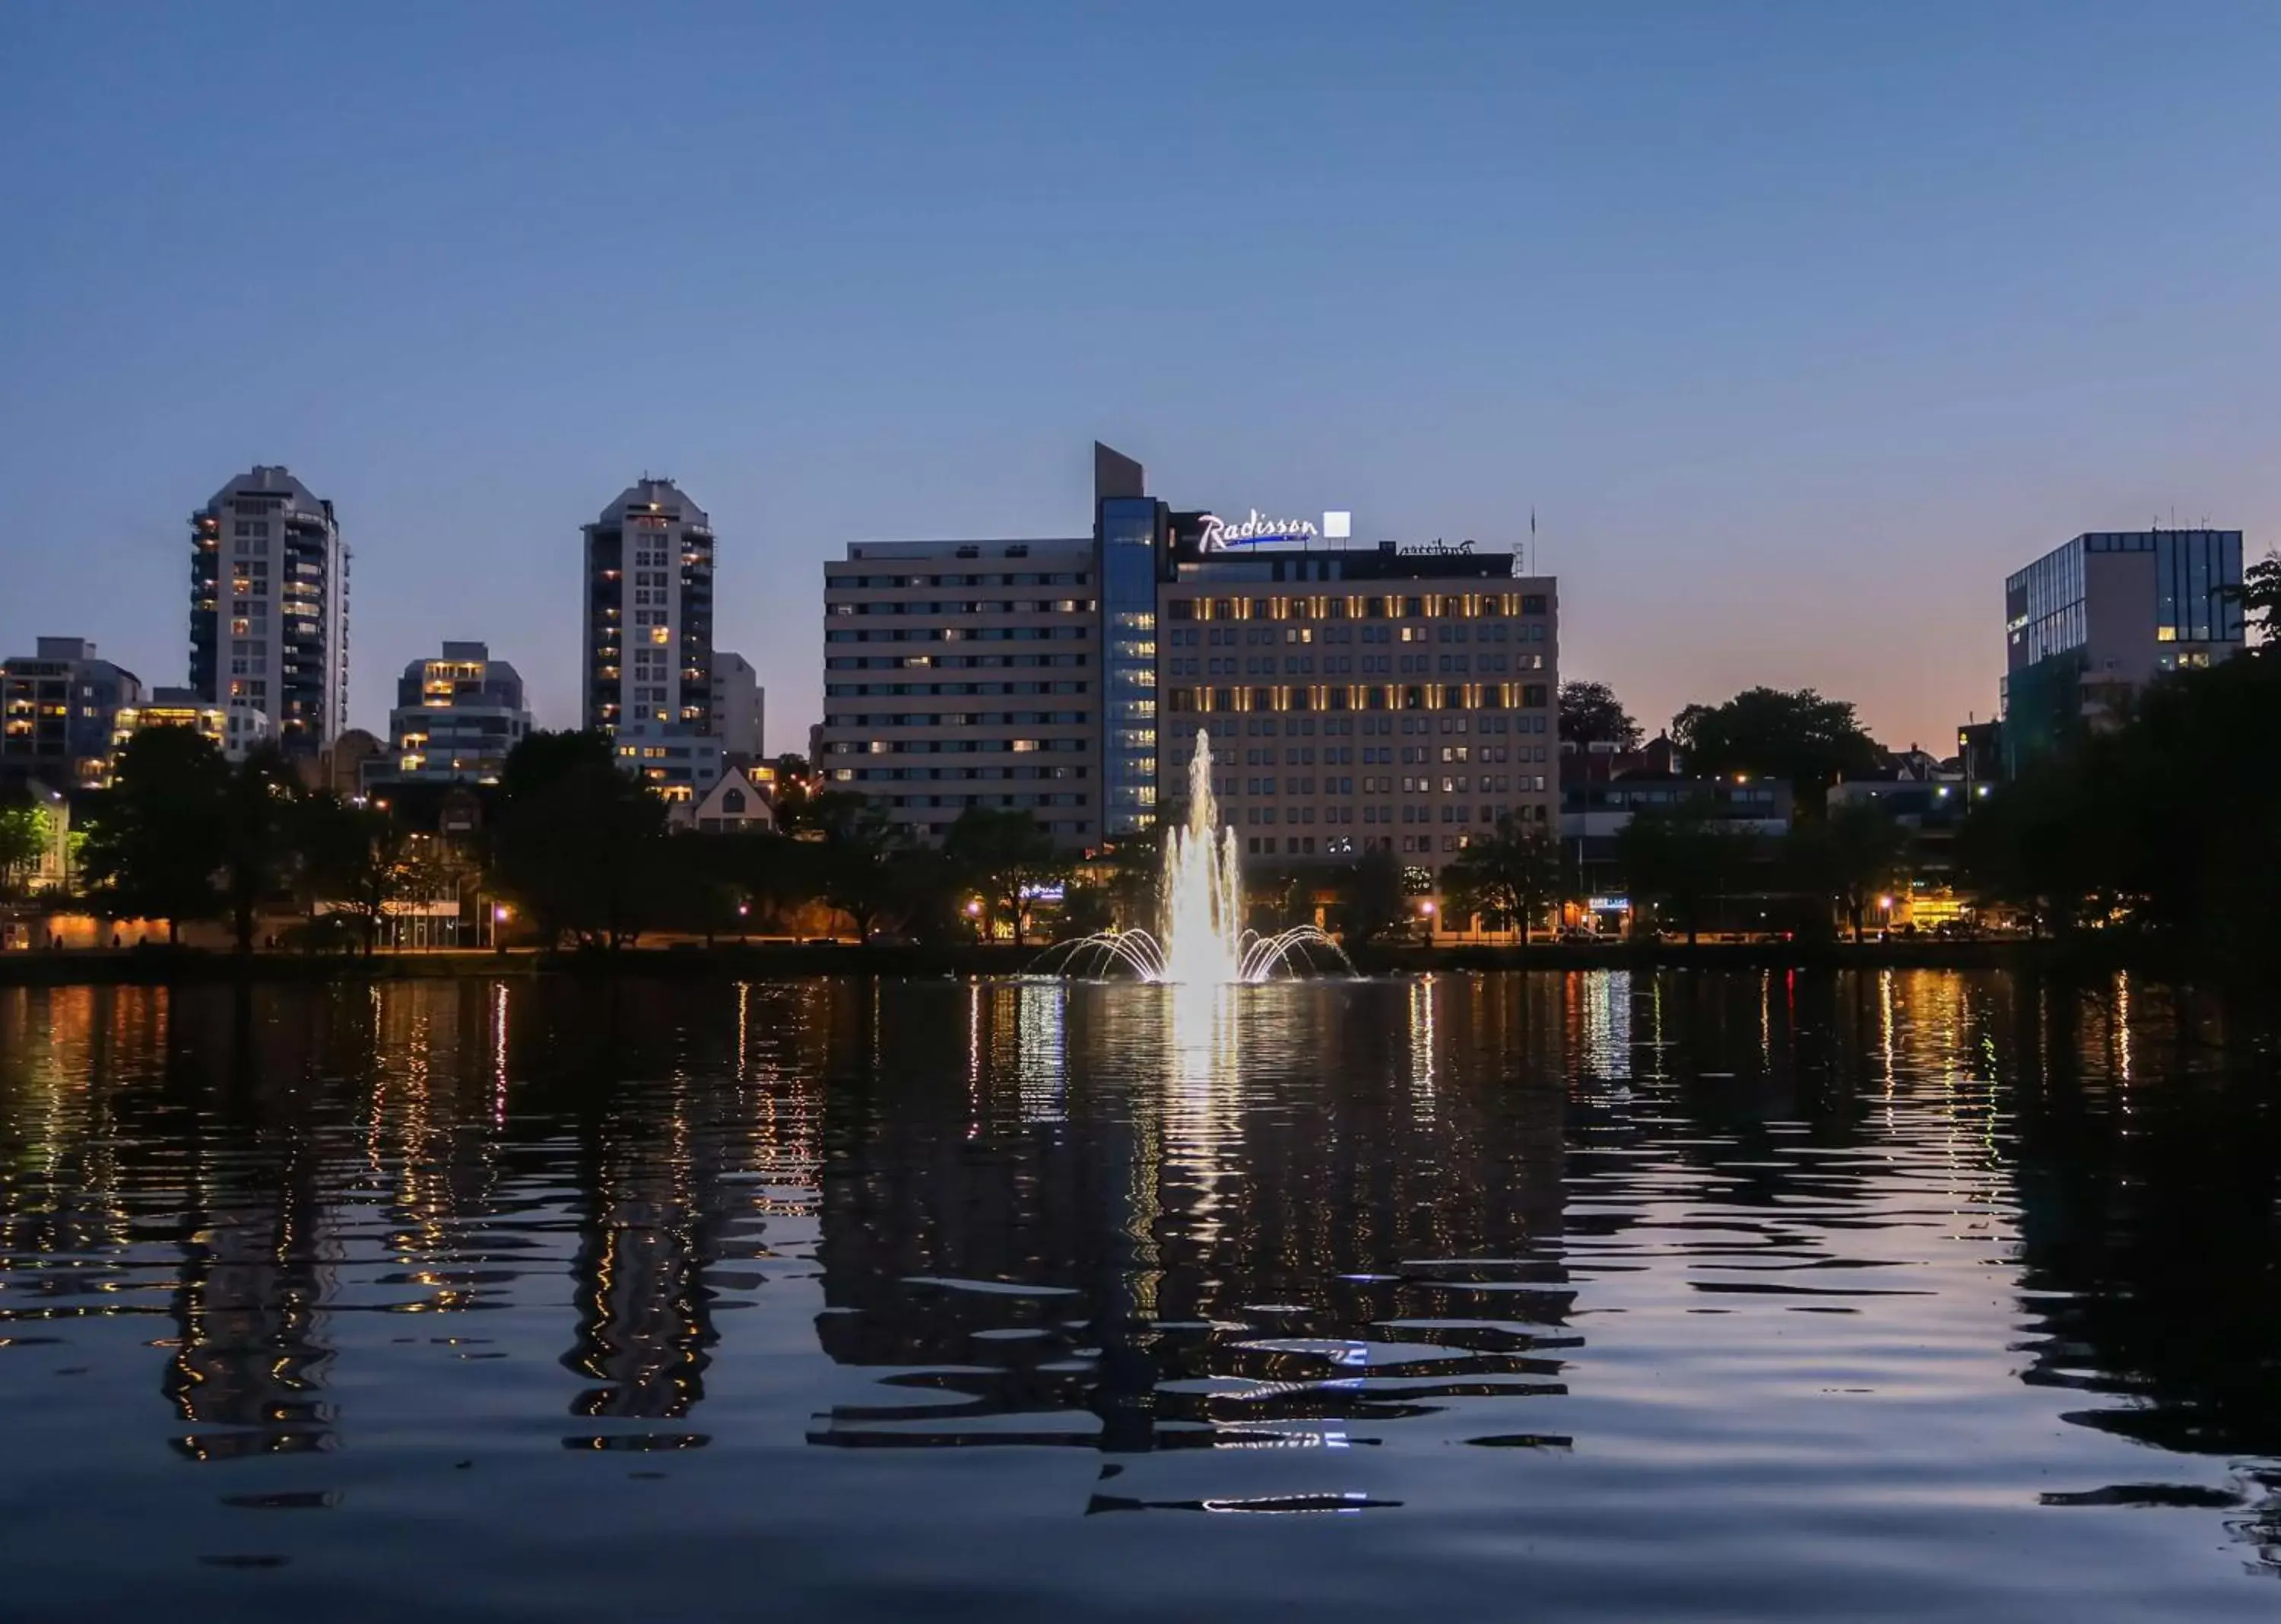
<point>2089,623</point>
<point>57,710</point>
<point>269,607</point>
<point>739,707</point>
<point>235,728</point>
<point>1354,696</point>
<point>456,717</point>
<point>648,659</point>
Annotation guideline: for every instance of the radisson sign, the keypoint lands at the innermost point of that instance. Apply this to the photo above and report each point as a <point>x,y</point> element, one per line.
<point>1256,531</point>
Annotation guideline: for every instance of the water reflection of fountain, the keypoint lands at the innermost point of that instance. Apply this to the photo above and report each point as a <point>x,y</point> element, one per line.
<point>1203,940</point>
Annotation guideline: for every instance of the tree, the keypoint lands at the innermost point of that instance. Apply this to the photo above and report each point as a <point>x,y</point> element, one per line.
<point>1087,908</point>
<point>2259,597</point>
<point>349,854</point>
<point>24,832</point>
<point>1591,715</point>
<point>852,860</point>
<point>1510,876</point>
<point>1375,901</point>
<point>2025,849</point>
<point>256,795</point>
<point>1799,736</point>
<point>1006,855</point>
<point>1850,856</point>
<point>1678,859</point>
<point>1136,874</point>
<point>155,838</point>
<point>793,777</point>
<point>576,841</point>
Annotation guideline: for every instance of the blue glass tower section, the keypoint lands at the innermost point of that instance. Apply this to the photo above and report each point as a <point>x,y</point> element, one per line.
<point>1128,622</point>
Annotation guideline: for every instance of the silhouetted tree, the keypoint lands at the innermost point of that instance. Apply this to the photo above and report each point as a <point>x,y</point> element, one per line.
<point>258,798</point>
<point>155,838</point>
<point>1799,736</point>
<point>1590,714</point>
<point>1512,876</point>
<point>1372,902</point>
<point>1848,858</point>
<point>1004,853</point>
<point>576,841</point>
<point>1679,860</point>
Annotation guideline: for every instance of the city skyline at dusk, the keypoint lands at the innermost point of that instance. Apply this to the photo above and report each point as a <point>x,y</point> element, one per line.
<point>1797,332</point>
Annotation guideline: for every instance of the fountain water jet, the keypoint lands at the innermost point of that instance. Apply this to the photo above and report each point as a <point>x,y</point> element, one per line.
<point>1203,939</point>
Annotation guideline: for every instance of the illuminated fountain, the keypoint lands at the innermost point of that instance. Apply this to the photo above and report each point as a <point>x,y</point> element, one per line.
<point>1202,938</point>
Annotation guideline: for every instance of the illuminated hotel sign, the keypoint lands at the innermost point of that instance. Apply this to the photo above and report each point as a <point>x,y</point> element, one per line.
<point>1257,531</point>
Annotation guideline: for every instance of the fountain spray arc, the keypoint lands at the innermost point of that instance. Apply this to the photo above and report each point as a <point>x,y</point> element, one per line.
<point>1202,939</point>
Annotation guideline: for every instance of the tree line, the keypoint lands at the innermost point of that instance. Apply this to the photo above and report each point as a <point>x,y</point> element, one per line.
<point>575,850</point>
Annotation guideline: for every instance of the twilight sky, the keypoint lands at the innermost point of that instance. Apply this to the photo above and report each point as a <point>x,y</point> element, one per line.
<point>1799,324</point>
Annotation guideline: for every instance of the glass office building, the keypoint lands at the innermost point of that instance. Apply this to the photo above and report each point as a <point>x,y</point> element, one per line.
<point>2090,622</point>
<point>1130,527</point>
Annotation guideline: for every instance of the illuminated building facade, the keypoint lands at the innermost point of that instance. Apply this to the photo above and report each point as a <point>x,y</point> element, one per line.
<point>58,710</point>
<point>1408,693</point>
<point>269,607</point>
<point>649,668</point>
<point>649,611</point>
<point>235,728</point>
<point>456,717</point>
<point>2089,623</point>
<point>1362,700</point>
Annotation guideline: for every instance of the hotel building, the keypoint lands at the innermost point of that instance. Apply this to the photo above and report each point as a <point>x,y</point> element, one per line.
<point>964,673</point>
<point>1384,699</point>
<point>2089,623</point>
<point>1355,697</point>
<point>269,607</point>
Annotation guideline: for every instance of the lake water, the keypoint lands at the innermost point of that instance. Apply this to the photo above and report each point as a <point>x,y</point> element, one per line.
<point>1549,1297</point>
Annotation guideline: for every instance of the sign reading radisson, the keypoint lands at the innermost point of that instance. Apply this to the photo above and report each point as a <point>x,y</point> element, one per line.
<point>1258,531</point>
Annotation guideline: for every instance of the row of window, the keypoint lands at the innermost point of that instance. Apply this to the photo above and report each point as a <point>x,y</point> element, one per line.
<point>1336,665</point>
<point>1061,798</point>
<point>971,747</point>
<point>915,690</point>
<point>1455,606</point>
<point>1485,814</point>
<point>1032,578</point>
<point>930,775</point>
<point>1259,636</point>
<point>1489,696</point>
<point>971,605</point>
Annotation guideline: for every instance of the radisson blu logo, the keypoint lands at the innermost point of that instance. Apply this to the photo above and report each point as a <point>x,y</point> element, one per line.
<point>1259,531</point>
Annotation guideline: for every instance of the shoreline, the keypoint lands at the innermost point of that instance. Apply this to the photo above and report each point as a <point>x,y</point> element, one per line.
<point>154,966</point>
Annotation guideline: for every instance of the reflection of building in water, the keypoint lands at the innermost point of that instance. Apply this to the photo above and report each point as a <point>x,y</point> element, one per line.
<point>248,1372</point>
<point>1230,1153</point>
<point>1602,1001</point>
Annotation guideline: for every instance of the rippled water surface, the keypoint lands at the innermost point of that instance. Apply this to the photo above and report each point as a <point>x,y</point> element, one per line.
<point>1563,1296</point>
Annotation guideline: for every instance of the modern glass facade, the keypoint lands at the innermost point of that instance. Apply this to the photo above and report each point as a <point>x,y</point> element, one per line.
<point>1128,612</point>
<point>2044,612</point>
<point>2195,572</point>
<point>2092,621</point>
